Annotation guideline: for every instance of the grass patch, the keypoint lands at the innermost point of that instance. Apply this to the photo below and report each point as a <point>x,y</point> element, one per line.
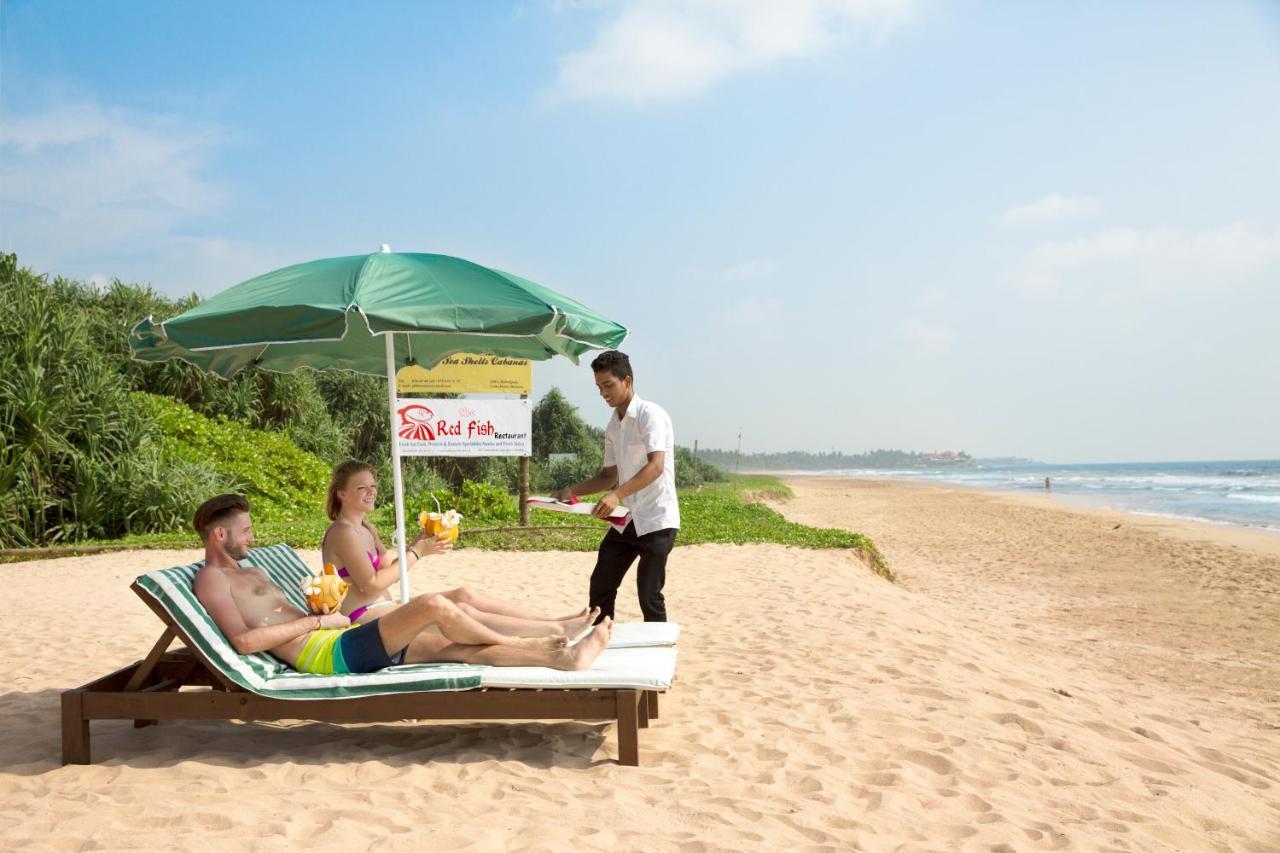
<point>729,513</point>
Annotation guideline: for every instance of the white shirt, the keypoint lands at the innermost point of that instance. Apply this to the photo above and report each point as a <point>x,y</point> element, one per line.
<point>628,441</point>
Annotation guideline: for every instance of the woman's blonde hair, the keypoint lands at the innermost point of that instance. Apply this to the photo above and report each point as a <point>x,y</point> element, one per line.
<point>342,472</point>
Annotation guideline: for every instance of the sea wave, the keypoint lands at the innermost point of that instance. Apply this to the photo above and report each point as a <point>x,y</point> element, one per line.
<point>1262,499</point>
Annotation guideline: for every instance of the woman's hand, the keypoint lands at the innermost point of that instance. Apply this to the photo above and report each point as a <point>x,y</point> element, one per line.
<point>434,545</point>
<point>425,546</point>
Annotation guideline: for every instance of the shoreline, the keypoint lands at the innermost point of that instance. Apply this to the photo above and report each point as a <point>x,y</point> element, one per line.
<point>1263,538</point>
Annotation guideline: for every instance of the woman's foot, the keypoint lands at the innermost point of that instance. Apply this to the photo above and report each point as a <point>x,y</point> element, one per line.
<point>576,615</point>
<point>575,626</point>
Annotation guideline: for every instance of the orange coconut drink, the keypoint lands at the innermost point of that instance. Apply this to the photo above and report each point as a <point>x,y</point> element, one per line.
<point>442,525</point>
<point>325,591</point>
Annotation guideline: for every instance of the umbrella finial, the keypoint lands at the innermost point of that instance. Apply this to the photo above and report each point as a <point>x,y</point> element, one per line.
<point>386,250</point>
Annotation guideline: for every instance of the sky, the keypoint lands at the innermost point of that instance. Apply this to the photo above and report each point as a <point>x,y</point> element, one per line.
<point>1049,230</point>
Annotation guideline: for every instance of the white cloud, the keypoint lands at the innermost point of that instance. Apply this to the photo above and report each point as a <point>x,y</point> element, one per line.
<point>1053,207</point>
<point>85,189</point>
<point>1155,260</point>
<point>658,49</point>
<point>928,336</point>
<point>752,270</point>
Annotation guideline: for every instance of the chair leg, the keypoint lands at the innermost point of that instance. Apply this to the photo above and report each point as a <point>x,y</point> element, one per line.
<point>651,697</point>
<point>143,673</point>
<point>642,710</point>
<point>75,729</point>
<point>628,727</point>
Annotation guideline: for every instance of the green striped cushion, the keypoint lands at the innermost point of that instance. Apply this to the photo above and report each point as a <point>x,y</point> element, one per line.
<point>263,674</point>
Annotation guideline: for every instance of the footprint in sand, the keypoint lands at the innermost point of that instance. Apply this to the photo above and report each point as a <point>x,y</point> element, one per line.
<point>929,760</point>
<point>1019,721</point>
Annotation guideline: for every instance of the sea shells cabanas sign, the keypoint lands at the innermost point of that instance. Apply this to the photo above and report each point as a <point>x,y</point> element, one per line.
<point>428,427</point>
<point>466,373</point>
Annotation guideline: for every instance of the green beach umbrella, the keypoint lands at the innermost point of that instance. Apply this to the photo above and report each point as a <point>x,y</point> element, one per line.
<point>372,313</point>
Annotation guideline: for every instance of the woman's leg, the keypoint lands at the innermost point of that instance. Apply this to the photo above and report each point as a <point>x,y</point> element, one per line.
<point>513,626</point>
<point>399,628</point>
<point>489,604</point>
<point>579,656</point>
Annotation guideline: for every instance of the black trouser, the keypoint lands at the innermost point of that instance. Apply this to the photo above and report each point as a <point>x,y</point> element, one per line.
<point>617,552</point>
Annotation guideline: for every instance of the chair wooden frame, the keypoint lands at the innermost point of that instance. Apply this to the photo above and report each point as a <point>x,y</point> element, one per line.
<point>150,690</point>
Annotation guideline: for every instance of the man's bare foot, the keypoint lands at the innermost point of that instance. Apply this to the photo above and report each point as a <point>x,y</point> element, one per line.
<point>577,626</point>
<point>581,655</point>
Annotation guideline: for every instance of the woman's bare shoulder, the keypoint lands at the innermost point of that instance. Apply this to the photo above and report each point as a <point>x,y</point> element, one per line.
<point>342,533</point>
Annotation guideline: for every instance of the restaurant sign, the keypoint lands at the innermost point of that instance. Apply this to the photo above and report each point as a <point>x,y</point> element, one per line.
<point>468,374</point>
<point>429,427</point>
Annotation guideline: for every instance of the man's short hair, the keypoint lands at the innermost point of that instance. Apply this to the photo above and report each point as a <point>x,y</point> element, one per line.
<point>216,510</point>
<point>613,362</point>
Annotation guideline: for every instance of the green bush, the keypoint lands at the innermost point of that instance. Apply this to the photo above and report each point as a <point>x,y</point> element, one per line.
<point>71,462</point>
<point>485,503</point>
<point>280,480</point>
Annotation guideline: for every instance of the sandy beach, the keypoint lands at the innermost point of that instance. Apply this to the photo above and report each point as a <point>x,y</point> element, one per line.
<point>1039,678</point>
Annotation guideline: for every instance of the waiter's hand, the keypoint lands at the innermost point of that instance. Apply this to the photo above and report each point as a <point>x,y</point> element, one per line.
<point>606,505</point>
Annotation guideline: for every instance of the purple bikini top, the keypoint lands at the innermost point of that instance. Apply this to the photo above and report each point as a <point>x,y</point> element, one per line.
<point>374,558</point>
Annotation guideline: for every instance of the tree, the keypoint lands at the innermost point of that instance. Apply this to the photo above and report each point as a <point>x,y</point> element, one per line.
<point>557,427</point>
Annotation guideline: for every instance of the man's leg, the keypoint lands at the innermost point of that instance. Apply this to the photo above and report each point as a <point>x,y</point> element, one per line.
<point>617,552</point>
<point>651,576</point>
<point>579,656</point>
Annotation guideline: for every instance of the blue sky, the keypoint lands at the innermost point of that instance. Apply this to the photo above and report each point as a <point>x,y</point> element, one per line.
<point>1044,229</point>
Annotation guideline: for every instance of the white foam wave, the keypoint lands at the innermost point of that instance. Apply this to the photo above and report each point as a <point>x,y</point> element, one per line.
<point>1262,499</point>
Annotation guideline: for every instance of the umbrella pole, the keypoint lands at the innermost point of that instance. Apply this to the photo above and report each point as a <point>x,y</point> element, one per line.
<point>395,468</point>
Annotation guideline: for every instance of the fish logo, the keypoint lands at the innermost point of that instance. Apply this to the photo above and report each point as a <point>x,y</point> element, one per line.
<point>415,423</point>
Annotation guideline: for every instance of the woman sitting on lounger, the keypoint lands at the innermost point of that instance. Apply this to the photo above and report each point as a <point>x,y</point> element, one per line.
<point>352,544</point>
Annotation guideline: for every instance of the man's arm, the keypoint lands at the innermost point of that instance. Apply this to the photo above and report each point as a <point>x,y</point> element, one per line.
<point>606,479</point>
<point>651,471</point>
<point>214,592</point>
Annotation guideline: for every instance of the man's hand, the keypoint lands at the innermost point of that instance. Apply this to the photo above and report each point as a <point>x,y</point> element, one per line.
<point>566,495</point>
<point>606,505</point>
<point>334,620</point>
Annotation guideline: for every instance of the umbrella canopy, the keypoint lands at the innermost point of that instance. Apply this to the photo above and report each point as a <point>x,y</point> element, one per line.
<point>370,313</point>
<point>335,312</point>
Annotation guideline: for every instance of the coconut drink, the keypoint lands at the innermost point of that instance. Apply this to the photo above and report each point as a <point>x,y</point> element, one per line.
<point>325,591</point>
<point>442,525</point>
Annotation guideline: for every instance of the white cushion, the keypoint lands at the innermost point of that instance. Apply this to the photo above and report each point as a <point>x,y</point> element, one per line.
<point>651,668</point>
<point>632,635</point>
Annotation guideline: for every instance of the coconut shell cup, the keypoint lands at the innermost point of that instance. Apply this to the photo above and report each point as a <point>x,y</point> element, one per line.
<point>325,591</point>
<point>442,525</point>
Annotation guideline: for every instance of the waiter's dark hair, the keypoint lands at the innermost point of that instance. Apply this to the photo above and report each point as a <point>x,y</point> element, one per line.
<point>216,510</point>
<point>613,362</point>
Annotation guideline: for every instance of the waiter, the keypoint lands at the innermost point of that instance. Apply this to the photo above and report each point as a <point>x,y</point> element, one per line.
<point>640,470</point>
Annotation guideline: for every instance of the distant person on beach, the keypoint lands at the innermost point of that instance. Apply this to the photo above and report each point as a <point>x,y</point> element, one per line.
<point>256,616</point>
<point>1046,484</point>
<point>352,544</point>
<point>640,468</point>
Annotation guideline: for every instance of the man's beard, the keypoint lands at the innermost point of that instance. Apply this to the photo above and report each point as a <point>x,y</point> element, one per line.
<point>238,551</point>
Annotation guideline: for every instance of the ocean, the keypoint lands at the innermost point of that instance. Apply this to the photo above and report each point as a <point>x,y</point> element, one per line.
<point>1243,492</point>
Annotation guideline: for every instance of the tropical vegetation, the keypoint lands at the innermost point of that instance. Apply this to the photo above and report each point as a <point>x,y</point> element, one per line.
<point>100,448</point>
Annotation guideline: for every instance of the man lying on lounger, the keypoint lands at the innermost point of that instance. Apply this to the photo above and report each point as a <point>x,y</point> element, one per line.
<point>256,616</point>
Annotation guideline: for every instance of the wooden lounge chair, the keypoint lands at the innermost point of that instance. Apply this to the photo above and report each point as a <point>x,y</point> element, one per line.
<point>208,680</point>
